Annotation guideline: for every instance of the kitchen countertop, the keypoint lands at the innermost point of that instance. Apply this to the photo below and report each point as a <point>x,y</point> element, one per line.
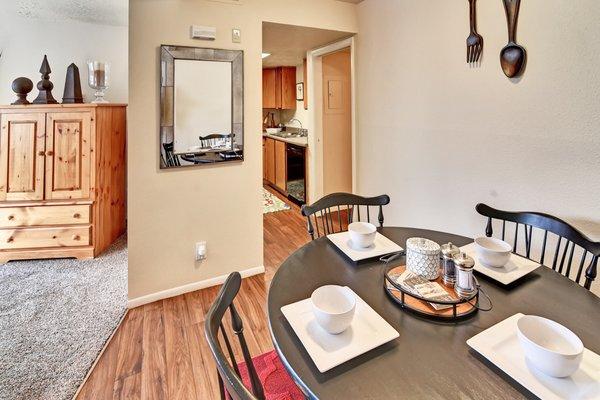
<point>298,141</point>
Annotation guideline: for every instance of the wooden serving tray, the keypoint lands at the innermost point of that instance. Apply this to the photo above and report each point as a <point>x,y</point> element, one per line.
<point>461,308</point>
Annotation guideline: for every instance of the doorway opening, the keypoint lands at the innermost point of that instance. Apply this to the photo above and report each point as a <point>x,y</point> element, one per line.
<point>307,136</point>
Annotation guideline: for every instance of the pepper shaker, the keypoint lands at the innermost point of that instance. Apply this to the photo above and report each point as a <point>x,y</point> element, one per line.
<point>449,251</point>
<point>465,282</point>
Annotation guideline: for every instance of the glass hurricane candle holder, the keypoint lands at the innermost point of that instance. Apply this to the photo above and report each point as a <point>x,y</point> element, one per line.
<point>98,79</point>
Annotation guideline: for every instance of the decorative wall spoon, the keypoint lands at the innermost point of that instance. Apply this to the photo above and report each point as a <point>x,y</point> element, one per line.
<point>512,56</point>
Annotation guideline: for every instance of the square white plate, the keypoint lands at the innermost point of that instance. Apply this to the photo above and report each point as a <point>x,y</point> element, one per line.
<point>380,246</point>
<point>367,331</point>
<point>516,267</point>
<point>500,345</point>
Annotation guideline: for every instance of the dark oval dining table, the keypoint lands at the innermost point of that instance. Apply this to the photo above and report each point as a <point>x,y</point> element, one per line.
<point>430,360</point>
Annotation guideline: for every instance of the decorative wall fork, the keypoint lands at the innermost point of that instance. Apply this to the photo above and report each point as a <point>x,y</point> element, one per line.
<point>475,40</point>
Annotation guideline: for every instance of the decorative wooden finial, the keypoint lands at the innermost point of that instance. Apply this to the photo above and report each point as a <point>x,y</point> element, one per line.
<point>72,93</point>
<point>22,86</point>
<point>45,86</point>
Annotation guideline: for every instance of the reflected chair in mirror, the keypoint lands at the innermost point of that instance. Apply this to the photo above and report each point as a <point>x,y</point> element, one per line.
<point>334,212</point>
<point>572,253</point>
<point>171,158</point>
<point>215,139</point>
<point>261,377</point>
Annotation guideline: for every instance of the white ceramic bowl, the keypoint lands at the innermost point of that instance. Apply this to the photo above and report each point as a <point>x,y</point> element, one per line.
<point>333,307</point>
<point>273,130</point>
<point>549,346</point>
<point>492,252</point>
<point>362,234</point>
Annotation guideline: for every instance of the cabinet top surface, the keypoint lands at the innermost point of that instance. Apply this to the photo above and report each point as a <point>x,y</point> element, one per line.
<point>54,106</point>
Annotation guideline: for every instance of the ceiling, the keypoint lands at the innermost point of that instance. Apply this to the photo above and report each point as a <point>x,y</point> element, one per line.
<point>105,12</point>
<point>288,44</point>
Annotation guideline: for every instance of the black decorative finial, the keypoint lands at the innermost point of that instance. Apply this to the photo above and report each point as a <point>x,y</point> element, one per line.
<point>22,86</point>
<point>45,86</point>
<point>72,93</point>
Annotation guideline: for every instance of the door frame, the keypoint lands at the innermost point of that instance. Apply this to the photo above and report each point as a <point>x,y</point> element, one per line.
<point>315,114</point>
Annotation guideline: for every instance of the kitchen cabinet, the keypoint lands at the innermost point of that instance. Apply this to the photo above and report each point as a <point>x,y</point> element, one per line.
<point>269,163</point>
<point>280,165</point>
<point>279,88</point>
<point>274,163</point>
<point>62,180</point>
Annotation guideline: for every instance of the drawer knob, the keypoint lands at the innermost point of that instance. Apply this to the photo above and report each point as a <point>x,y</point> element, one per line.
<point>76,237</point>
<point>11,217</point>
<point>49,153</point>
<point>41,153</point>
<point>76,215</point>
<point>10,239</point>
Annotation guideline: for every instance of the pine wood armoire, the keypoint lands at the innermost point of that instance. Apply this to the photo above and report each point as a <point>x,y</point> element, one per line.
<point>62,180</point>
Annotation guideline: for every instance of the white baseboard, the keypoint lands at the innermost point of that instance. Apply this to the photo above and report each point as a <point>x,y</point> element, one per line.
<point>190,287</point>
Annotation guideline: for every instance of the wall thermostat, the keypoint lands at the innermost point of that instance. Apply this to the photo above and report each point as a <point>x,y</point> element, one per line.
<point>203,32</point>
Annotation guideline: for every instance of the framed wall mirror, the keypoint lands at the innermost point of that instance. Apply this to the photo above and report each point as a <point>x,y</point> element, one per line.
<point>202,106</point>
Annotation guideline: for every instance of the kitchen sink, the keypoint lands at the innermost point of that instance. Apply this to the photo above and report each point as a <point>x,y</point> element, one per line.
<point>287,134</point>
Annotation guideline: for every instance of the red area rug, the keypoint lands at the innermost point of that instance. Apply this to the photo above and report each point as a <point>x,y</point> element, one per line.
<point>277,383</point>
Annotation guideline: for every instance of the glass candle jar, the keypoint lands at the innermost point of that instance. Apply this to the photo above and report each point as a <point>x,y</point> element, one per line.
<point>465,282</point>
<point>98,79</point>
<point>449,251</point>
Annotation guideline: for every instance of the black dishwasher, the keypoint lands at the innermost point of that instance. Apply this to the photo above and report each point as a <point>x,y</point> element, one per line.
<point>296,173</point>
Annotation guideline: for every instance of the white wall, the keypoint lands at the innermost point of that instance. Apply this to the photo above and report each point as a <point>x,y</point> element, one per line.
<point>25,40</point>
<point>170,210</point>
<point>439,136</point>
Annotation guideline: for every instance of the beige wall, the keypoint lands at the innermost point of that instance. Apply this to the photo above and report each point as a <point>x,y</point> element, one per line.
<point>171,210</point>
<point>26,37</point>
<point>438,136</point>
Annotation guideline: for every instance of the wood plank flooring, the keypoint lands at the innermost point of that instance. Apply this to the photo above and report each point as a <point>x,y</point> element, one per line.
<point>159,351</point>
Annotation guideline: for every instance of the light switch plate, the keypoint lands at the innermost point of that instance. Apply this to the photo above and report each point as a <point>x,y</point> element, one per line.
<point>236,35</point>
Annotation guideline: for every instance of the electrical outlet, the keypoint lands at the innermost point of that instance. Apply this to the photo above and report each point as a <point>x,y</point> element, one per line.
<point>236,35</point>
<point>200,251</point>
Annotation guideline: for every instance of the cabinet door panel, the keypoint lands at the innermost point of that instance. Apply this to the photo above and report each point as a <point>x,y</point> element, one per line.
<point>264,155</point>
<point>270,164</point>
<point>288,88</point>
<point>68,137</point>
<point>280,165</point>
<point>22,157</point>
<point>270,88</point>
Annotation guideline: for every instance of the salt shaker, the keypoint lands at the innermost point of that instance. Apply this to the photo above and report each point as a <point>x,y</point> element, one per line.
<point>449,251</point>
<point>465,282</point>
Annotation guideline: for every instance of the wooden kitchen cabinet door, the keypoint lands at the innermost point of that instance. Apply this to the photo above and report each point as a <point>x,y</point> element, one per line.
<point>288,88</point>
<point>22,156</point>
<point>270,160</point>
<point>68,163</point>
<point>271,98</point>
<point>280,165</point>
<point>264,152</point>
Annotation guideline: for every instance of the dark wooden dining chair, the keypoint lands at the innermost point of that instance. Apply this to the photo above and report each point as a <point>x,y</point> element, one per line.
<point>334,212</point>
<point>171,158</point>
<point>243,381</point>
<point>562,252</point>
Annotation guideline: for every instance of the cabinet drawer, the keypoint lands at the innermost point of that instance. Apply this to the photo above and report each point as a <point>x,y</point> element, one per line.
<point>44,215</point>
<point>28,238</point>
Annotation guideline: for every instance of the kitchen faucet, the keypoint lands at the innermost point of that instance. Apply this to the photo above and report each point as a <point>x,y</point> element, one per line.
<point>302,131</point>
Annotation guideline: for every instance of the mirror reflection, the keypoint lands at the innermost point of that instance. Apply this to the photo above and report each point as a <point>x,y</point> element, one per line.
<point>201,103</point>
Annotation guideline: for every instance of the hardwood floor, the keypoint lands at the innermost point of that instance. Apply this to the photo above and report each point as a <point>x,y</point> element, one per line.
<point>159,351</point>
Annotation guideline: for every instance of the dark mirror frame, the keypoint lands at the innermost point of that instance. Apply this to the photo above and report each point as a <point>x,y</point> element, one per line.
<point>168,55</point>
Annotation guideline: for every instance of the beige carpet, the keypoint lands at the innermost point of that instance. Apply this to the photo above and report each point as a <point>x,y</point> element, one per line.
<point>55,317</point>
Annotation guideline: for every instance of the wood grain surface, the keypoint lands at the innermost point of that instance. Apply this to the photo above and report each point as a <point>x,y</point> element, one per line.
<point>159,351</point>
